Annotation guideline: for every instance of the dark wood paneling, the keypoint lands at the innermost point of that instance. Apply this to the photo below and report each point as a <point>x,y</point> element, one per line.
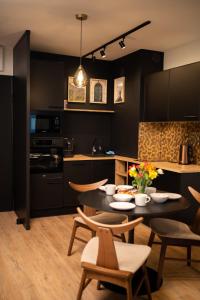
<point>85,127</point>
<point>21,109</point>
<point>6,196</point>
<point>95,69</point>
<point>127,115</point>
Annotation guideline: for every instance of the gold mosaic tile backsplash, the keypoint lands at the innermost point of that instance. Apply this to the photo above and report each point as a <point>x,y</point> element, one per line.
<point>161,141</point>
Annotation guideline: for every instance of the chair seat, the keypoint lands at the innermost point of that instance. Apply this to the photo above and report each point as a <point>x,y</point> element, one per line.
<point>172,229</point>
<point>105,218</point>
<point>130,256</point>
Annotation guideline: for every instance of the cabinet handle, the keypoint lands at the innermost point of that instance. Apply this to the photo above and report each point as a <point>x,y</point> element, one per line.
<point>190,116</point>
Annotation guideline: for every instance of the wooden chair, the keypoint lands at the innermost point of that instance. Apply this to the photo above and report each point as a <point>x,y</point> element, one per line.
<point>112,261</point>
<point>104,217</point>
<point>175,233</point>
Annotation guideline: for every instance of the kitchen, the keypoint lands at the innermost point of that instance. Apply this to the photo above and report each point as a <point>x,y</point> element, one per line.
<point>121,127</point>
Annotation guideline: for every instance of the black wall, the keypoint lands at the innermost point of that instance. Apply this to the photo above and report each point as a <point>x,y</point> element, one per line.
<point>127,115</point>
<point>118,131</point>
<point>6,152</point>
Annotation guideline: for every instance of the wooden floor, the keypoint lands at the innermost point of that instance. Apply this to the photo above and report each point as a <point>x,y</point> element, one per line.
<point>34,264</point>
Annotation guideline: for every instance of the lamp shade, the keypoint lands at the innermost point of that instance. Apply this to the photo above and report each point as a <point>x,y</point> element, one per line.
<point>80,77</point>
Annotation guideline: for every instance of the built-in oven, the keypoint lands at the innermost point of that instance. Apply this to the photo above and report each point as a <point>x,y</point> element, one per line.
<point>46,155</point>
<point>45,123</point>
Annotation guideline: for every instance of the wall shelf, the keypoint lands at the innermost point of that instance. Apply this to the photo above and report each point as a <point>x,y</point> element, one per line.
<point>89,110</point>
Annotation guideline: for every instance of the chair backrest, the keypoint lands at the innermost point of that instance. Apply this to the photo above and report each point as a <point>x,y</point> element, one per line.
<point>89,211</point>
<point>196,221</point>
<point>107,257</point>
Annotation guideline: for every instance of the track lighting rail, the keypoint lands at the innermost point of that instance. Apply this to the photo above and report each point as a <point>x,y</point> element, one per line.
<point>122,36</point>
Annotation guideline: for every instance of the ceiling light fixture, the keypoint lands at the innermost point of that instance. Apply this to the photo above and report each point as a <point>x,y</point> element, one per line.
<point>122,44</point>
<point>103,53</point>
<point>80,77</point>
<point>121,37</point>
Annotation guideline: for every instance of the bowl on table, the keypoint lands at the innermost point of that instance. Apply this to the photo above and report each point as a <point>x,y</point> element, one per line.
<point>122,197</point>
<point>159,197</point>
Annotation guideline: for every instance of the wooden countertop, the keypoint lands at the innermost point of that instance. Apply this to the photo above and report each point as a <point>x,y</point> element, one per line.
<point>168,166</point>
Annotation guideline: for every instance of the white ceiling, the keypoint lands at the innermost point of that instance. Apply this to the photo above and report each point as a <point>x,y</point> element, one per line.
<point>54,27</point>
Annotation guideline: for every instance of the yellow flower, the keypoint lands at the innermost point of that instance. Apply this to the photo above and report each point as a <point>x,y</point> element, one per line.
<point>153,174</point>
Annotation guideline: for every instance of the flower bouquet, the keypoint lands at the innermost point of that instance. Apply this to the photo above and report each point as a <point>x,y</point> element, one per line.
<point>143,175</point>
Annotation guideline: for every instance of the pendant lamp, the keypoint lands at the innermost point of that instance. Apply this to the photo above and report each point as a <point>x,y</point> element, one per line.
<point>80,77</point>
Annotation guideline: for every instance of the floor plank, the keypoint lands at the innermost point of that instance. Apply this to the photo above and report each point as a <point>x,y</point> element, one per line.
<point>34,264</point>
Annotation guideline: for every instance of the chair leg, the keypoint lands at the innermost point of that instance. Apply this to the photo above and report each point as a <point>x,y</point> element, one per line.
<point>189,252</point>
<point>123,238</point>
<point>75,226</point>
<point>82,285</point>
<point>161,263</point>
<point>151,239</point>
<point>129,289</point>
<point>146,281</point>
<point>98,285</point>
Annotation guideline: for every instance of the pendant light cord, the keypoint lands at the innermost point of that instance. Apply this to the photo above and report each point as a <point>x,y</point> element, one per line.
<point>81,43</point>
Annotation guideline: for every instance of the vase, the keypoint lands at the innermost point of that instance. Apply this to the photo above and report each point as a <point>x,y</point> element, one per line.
<point>141,188</point>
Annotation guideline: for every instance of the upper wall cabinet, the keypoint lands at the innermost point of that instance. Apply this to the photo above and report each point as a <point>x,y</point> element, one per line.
<point>47,85</point>
<point>157,97</point>
<point>184,92</point>
<point>173,95</point>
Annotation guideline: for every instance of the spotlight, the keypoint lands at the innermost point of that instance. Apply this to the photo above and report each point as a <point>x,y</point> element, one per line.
<point>122,44</point>
<point>102,52</point>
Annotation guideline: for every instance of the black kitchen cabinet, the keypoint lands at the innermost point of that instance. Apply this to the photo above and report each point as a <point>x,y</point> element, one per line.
<point>184,93</point>
<point>78,172</point>
<point>103,169</point>
<point>84,172</point>
<point>46,191</point>
<point>47,84</point>
<point>6,196</point>
<point>178,183</point>
<point>156,97</point>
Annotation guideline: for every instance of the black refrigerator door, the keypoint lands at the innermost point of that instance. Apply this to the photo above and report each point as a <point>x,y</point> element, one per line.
<point>6,197</point>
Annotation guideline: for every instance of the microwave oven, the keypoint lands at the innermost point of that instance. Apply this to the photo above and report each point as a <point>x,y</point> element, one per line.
<point>45,123</point>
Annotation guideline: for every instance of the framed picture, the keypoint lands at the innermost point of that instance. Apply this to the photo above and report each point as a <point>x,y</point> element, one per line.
<point>98,91</point>
<point>75,94</point>
<point>119,90</point>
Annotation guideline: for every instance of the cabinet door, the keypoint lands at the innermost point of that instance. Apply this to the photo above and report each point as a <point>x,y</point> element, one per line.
<point>156,96</point>
<point>47,85</point>
<point>184,92</point>
<point>103,169</point>
<point>46,191</point>
<point>78,172</point>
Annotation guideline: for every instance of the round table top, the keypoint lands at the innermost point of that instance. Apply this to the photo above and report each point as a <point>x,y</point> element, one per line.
<point>100,201</point>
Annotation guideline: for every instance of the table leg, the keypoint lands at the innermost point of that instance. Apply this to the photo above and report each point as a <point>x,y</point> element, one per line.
<point>131,232</point>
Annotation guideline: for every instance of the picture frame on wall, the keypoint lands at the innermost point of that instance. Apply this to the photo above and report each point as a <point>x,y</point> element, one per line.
<point>75,94</point>
<point>98,91</point>
<point>119,90</point>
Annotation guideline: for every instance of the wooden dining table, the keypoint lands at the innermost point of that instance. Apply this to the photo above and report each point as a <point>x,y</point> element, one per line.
<point>100,201</point>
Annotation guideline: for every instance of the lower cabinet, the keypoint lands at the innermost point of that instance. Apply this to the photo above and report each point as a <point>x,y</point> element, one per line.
<point>84,172</point>
<point>178,183</point>
<point>46,191</point>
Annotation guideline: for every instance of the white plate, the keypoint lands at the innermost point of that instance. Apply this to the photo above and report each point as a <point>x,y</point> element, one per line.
<point>122,205</point>
<point>122,197</point>
<point>173,196</point>
<point>102,188</point>
<point>124,187</point>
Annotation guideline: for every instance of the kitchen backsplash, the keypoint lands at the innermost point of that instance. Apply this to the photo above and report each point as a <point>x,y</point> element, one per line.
<point>160,141</point>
